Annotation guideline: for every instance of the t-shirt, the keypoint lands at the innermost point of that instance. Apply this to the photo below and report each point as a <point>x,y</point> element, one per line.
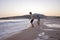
<point>32,16</point>
<point>35,16</point>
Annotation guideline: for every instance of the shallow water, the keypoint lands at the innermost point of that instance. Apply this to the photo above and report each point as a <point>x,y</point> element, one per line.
<point>52,23</point>
<point>12,26</point>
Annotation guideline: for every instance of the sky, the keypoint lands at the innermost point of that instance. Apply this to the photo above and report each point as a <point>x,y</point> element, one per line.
<point>23,7</point>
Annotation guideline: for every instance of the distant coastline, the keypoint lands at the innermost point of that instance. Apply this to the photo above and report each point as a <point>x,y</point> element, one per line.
<point>28,17</point>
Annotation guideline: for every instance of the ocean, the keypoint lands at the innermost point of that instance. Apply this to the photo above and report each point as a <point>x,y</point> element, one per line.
<point>10,27</point>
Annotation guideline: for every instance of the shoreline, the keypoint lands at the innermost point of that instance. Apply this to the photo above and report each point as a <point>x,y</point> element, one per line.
<point>24,34</point>
<point>35,33</point>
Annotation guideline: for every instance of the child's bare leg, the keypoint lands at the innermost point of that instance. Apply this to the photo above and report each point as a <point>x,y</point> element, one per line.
<point>32,24</point>
<point>38,22</point>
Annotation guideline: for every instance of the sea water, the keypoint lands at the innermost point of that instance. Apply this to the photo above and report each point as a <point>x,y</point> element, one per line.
<point>8,27</point>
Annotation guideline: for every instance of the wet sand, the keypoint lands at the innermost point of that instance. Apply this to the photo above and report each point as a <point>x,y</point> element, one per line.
<point>28,34</point>
<point>40,32</point>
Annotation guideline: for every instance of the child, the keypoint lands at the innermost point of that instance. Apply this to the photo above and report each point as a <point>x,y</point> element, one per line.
<point>33,17</point>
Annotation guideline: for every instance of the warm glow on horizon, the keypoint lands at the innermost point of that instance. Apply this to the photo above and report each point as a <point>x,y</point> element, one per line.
<point>23,7</point>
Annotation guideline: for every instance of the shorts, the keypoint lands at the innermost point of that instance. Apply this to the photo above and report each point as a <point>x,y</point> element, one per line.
<point>31,20</point>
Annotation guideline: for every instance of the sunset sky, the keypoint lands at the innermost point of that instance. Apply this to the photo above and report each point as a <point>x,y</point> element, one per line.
<point>23,7</point>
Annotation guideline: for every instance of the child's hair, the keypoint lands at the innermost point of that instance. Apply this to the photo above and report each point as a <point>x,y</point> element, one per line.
<point>30,12</point>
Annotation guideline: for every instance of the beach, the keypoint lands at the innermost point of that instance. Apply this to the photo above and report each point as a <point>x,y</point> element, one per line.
<point>47,30</point>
